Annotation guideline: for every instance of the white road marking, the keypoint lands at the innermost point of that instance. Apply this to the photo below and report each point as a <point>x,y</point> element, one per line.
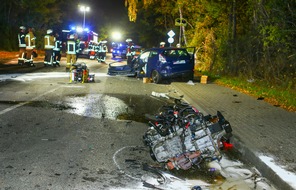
<point>33,76</point>
<point>24,103</point>
<point>118,166</point>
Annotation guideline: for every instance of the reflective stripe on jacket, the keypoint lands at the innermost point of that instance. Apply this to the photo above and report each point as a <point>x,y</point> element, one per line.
<point>71,47</point>
<point>21,39</point>
<point>30,40</point>
<point>49,42</point>
<point>57,45</point>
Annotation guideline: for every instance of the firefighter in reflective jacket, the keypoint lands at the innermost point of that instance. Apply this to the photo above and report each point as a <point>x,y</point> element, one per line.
<point>102,50</point>
<point>49,41</point>
<point>130,51</point>
<point>72,49</point>
<point>22,45</point>
<point>30,46</point>
<point>57,51</point>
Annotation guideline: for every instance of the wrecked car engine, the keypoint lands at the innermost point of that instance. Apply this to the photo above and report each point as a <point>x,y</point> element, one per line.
<point>182,137</point>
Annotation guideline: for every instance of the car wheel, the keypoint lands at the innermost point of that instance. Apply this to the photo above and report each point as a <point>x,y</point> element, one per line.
<point>156,78</point>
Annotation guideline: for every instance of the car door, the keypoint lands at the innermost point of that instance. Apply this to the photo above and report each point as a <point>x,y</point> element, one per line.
<point>142,61</point>
<point>179,61</point>
<point>152,62</point>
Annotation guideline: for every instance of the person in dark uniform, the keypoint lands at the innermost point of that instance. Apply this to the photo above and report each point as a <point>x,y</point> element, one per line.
<point>49,43</point>
<point>22,45</point>
<point>130,53</point>
<point>57,50</point>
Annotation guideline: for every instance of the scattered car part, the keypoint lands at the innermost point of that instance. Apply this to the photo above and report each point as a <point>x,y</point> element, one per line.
<point>181,136</point>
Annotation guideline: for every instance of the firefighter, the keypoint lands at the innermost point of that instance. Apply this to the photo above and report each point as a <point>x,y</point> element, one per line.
<point>72,49</point>
<point>130,51</point>
<point>30,47</point>
<point>22,45</point>
<point>162,44</point>
<point>57,50</point>
<point>49,42</point>
<point>102,50</point>
<point>77,42</point>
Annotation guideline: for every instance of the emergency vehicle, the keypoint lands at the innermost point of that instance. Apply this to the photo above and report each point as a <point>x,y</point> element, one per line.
<point>119,49</point>
<point>85,37</point>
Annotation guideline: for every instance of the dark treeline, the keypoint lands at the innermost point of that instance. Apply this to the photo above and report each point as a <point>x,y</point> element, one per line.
<point>43,15</point>
<point>248,38</point>
<point>39,14</point>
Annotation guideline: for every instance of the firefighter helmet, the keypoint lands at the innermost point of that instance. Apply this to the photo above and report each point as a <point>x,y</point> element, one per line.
<point>162,43</point>
<point>129,40</point>
<point>49,31</point>
<point>22,28</point>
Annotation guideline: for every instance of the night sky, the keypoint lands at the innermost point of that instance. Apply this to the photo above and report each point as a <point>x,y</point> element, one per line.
<point>103,12</point>
<point>105,17</point>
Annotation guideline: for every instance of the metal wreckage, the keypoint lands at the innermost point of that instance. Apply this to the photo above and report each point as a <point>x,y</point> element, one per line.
<point>182,137</point>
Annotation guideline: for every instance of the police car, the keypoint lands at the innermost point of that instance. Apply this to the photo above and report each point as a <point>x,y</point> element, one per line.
<point>119,50</point>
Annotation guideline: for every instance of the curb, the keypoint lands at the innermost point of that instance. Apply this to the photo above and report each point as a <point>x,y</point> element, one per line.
<point>248,155</point>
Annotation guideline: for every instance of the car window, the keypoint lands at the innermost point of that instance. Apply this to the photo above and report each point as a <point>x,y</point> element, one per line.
<point>168,53</point>
<point>176,53</point>
<point>182,53</point>
<point>153,53</point>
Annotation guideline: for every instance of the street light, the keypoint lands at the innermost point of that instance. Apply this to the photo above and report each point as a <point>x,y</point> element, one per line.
<point>84,9</point>
<point>116,36</point>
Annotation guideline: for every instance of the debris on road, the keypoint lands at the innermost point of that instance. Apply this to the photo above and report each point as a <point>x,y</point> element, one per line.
<point>182,137</point>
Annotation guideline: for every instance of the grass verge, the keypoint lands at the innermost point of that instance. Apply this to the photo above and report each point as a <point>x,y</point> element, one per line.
<point>276,96</point>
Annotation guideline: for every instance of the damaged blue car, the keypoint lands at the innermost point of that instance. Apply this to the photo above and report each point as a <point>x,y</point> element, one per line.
<point>159,64</point>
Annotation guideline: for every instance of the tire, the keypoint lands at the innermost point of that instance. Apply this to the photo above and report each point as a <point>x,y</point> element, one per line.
<point>156,78</point>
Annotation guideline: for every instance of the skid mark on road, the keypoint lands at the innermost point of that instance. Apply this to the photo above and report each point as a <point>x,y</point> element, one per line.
<point>24,103</point>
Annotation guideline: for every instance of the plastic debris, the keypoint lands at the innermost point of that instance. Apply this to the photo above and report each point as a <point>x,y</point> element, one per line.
<point>190,82</point>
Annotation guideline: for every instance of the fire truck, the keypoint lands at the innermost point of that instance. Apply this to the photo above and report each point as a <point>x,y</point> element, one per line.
<point>86,37</point>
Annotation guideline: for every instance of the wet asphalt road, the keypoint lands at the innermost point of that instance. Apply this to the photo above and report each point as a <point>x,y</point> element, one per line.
<point>60,135</point>
<point>56,134</point>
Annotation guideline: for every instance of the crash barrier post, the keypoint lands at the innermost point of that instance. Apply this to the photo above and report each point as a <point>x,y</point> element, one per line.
<point>80,73</point>
<point>204,79</point>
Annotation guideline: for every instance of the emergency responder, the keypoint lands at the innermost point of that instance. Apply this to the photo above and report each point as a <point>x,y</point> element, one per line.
<point>72,49</point>
<point>162,44</point>
<point>57,50</point>
<point>49,42</point>
<point>30,46</point>
<point>130,51</point>
<point>102,50</point>
<point>92,50</point>
<point>77,42</point>
<point>22,45</point>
